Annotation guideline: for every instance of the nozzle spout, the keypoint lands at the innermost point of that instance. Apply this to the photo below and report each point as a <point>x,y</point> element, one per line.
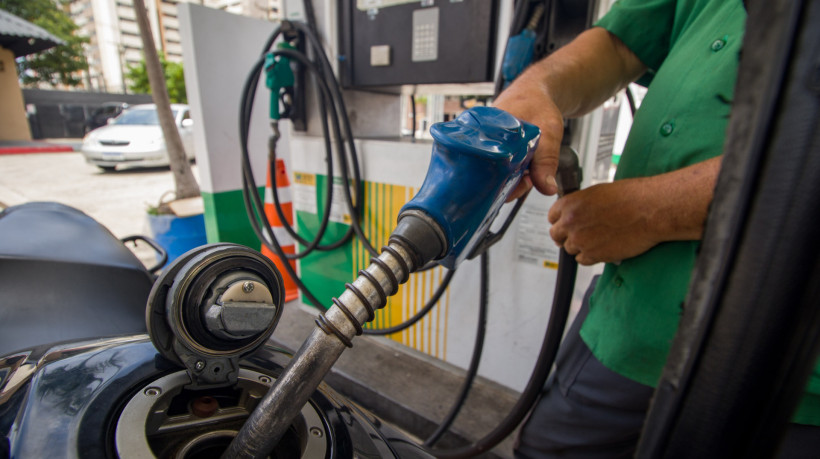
<point>335,331</point>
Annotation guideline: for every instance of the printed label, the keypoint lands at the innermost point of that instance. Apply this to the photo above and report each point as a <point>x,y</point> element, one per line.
<point>534,244</point>
<point>339,208</point>
<point>304,192</point>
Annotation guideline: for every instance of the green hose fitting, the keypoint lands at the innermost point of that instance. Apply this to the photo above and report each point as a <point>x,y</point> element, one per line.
<point>278,75</point>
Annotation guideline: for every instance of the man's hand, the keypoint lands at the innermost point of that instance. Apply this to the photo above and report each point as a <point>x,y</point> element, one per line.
<point>568,83</point>
<point>603,223</point>
<point>521,103</point>
<point>615,221</point>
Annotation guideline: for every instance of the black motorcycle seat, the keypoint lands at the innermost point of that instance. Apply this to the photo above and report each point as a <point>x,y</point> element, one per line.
<point>64,276</point>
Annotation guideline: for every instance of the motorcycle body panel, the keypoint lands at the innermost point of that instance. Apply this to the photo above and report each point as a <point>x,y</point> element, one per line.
<point>66,401</point>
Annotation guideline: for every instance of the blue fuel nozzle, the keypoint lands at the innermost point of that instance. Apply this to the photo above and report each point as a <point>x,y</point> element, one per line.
<point>477,161</point>
<point>518,55</point>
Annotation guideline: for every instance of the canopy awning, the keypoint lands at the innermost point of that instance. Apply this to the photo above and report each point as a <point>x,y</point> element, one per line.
<point>22,37</point>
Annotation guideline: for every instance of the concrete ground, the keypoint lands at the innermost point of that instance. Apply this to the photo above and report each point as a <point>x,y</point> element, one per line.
<point>118,200</point>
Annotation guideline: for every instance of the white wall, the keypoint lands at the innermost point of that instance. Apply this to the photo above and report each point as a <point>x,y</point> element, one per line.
<point>218,51</point>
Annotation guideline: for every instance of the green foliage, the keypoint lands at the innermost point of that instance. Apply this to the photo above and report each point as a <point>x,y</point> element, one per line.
<point>137,76</point>
<point>61,64</point>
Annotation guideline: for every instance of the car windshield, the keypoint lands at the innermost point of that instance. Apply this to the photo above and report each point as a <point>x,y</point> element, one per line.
<point>143,116</point>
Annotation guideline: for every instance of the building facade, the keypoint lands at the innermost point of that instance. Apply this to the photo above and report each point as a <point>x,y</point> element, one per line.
<point>115,42</point>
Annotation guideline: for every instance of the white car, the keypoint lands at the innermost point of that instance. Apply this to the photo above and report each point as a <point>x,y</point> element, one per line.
<point>134,138</point>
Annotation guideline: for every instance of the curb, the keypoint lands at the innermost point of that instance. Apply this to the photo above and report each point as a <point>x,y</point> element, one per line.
<point>24,149</point>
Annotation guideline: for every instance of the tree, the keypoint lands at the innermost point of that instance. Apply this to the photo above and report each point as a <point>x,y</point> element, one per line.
<point>137,76</point>
<point>186,185</point>
<point>61,64</point>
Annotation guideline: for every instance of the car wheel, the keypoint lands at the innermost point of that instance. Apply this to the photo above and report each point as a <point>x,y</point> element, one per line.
<point>108,168</point>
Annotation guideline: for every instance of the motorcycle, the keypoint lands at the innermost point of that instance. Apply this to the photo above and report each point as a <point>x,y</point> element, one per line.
<point>89,371</point>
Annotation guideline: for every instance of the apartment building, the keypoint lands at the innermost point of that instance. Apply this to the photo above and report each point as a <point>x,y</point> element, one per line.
<point>115,41</point>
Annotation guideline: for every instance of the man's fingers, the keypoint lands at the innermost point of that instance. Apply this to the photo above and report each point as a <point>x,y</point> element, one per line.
<point>554,214</point>
<point>524,185</point>
<point>542,172</point>
<point>584,260</point>
<point>571,249</point>
<point>559,235</point>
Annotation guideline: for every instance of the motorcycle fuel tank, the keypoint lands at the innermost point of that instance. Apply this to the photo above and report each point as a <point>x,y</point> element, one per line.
<point>119,397</point>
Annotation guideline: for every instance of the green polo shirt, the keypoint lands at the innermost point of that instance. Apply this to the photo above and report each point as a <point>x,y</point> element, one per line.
<point>691,48</point>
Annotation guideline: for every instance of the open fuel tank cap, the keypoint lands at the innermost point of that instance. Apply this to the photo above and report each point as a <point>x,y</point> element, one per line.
<point>213,305</point>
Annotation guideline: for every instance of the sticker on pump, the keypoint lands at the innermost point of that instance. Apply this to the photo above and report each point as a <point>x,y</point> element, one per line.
<point>304,192</point>
<point>339,208</point>
<point>533,243</point>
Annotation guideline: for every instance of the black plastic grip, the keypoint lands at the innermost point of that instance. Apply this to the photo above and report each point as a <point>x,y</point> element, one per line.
<point>569,173</point>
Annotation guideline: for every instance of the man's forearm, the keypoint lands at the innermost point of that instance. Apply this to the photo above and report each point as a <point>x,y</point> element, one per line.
<point>570,82</point>
<point>615,221</point>
<point>583,74</point>
<point>682,200</point>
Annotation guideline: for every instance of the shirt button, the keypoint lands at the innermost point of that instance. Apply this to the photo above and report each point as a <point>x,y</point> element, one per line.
<point>718,44</point>
<point>618,281</point>
<point>667,128</point>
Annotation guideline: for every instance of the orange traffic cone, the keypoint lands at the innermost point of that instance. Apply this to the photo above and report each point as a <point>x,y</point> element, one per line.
<point>282,236</point>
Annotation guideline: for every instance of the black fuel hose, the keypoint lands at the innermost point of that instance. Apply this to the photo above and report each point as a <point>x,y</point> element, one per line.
<point>478,349</point>
<point>253,203</point>
<point>565,285</point>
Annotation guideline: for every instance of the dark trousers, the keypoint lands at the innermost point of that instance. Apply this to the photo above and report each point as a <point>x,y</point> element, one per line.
<point>589,411</point>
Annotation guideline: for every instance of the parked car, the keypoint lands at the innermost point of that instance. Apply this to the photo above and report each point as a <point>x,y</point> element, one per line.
<point>134,138</point>
<point>99,116</point>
